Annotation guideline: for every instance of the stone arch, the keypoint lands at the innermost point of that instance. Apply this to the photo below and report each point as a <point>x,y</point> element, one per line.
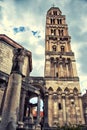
<point>59,90</point>
<point>54,47</point>
<point>50,89</point>
<point>52,59</point>
<point>66,90</point>
<point>75,90</point>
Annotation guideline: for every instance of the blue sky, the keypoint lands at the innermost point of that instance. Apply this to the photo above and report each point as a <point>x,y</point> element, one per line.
<point>24,22</point>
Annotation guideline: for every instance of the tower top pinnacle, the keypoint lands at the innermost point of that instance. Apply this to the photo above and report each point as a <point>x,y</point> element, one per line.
<point>53,5</point>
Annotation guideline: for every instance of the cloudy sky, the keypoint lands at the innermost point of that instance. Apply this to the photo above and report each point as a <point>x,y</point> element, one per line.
<point>24,22</point>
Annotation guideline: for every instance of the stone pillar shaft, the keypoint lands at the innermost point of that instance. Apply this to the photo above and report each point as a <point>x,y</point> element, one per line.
<point>82,117</point>
<point>64,109</point>
<point>60,70</point>
<point>46,110</point>
<point>67,70</point>
<point>11,105</point>
<point>38,110</point>
<point>22,105</point>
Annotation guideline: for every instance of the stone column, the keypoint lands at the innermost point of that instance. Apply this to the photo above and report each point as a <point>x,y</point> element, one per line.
<point>81,110</point>
<point>23,95</point>
<point>74,69</point>
<point>54,68</point>
<point>10,111</point>
<point>64,108</point>
<point>46,110</point>
<point>50,109</point>
<point>38,110</point>
<point>47,67</point>
<point>60,70</point>
<point>67,70</point>
<point>47,44</point>
<point>3,97</point>
<point>55,112</point>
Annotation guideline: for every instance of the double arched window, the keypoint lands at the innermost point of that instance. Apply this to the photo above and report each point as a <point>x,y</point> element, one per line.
<point>53,31</point>
<point>54,48</point>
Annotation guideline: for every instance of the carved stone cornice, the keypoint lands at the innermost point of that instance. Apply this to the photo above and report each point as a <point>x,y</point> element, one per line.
<point>8,40</point>
<point>62,78</point>
<point>58,53</point>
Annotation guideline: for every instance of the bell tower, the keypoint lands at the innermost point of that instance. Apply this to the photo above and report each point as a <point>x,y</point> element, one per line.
<point>59,58</point>
<point>62,81</point>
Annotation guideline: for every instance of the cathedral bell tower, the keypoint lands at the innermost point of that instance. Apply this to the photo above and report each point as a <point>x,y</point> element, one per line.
<point>60,61</point>
<point>62,82</point>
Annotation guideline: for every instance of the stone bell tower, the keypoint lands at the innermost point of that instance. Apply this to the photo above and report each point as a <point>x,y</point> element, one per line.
<point>62,81</point>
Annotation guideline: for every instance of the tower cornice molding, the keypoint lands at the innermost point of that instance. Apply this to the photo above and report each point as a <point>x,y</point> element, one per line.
<point>58,53</point>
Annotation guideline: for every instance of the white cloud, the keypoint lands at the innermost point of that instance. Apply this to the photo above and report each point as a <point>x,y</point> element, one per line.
<point>39,50</point>
<point>32,15</point>
<point>84,24</point>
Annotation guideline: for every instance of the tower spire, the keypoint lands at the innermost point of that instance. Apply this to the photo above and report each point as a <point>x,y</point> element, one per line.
<point>53,5</point>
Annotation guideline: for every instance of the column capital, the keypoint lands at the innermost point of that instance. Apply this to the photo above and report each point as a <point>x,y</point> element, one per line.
<point>63,95</point>
<point>55,97</point>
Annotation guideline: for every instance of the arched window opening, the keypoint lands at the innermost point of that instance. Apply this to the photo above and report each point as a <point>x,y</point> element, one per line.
<point>59,21</point>
<point>53,21</point>
<point>50,89</point>
<point>59,32</point>
<point>68,59</point>
<point>72,101</point>
<point>57,74</point>
<point>66,90</point>
<point>59,106</point>
<point>54,47</point>
<point>57,61</point>
<point>52,61</point>
<point>62,48</point>
<point>54,12</point>
<point>59,90</point>
<point>75,91</point>
<point>52,32</point>
<point>32,108</point>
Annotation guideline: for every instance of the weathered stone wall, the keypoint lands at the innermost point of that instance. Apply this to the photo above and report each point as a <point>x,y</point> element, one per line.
<point>68,111</point>
<point>6,55</point>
